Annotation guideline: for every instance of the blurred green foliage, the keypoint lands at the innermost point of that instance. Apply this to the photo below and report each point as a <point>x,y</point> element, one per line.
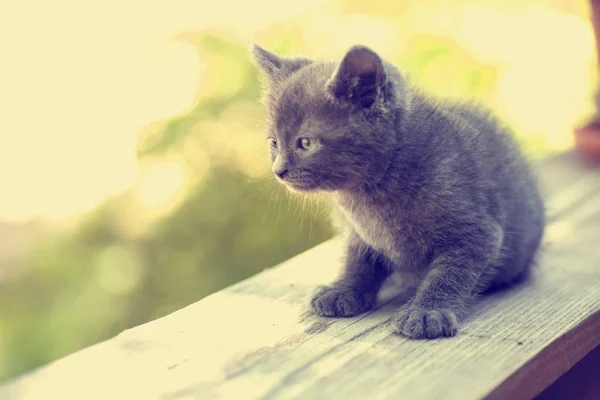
<point>98,279</point>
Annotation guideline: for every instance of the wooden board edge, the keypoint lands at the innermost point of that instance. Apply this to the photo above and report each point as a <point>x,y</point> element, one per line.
<point>551,363</point>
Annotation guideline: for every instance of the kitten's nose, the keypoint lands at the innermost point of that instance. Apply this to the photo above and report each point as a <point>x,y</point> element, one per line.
<point>280,166</point>
<point>280,172</point>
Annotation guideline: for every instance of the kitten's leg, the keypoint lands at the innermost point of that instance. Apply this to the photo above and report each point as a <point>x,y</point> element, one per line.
<point>449,285</point>
<point>356,290</point>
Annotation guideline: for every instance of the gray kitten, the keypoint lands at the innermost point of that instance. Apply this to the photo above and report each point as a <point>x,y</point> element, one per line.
<point>436,191</point>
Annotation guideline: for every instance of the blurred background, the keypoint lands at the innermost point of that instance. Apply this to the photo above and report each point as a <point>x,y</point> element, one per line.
<point>134,177</point>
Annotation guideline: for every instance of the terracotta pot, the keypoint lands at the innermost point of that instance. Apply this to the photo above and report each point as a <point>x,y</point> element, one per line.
<point>587,141</point>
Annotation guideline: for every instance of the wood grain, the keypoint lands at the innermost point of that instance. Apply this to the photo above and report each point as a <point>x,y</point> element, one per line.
<point>257,339</point>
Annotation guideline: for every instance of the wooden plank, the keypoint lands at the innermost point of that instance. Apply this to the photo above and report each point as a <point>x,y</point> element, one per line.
<point>552,362</point>
<point>580,382</point>
<point>257,339</point>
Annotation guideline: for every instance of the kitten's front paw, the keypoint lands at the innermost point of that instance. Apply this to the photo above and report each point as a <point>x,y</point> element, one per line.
<point>420,323</point>
<point>342,302</point>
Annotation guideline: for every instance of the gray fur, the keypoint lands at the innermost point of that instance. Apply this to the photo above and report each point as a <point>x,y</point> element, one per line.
<point>429,189</point>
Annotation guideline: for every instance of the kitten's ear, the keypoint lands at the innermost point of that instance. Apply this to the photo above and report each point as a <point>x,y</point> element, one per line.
<point>360,77</point>
<point>276,68</point>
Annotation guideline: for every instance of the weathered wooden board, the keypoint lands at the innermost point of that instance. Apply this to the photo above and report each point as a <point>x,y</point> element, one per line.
<point>257,339</point>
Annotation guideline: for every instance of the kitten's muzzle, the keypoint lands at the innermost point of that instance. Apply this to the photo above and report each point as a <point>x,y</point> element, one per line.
<point>280,166</point>
<point>280,172</point>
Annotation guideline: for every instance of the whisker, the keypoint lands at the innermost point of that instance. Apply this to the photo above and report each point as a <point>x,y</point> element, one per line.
<point>268,207</point>
<point>278,204</point>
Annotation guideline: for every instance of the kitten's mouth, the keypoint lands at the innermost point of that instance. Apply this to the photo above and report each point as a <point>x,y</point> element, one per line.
<point>299,186</point>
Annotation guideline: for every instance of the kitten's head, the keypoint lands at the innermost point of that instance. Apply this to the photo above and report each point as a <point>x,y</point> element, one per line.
<point>330,125</point>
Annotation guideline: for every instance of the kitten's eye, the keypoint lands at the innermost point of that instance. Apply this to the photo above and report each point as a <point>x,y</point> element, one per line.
<point>306,143</point>
<point>273,143</point>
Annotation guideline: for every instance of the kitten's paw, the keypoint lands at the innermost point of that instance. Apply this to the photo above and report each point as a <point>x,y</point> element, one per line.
<point>420,323</point>
<point>332,301</point>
